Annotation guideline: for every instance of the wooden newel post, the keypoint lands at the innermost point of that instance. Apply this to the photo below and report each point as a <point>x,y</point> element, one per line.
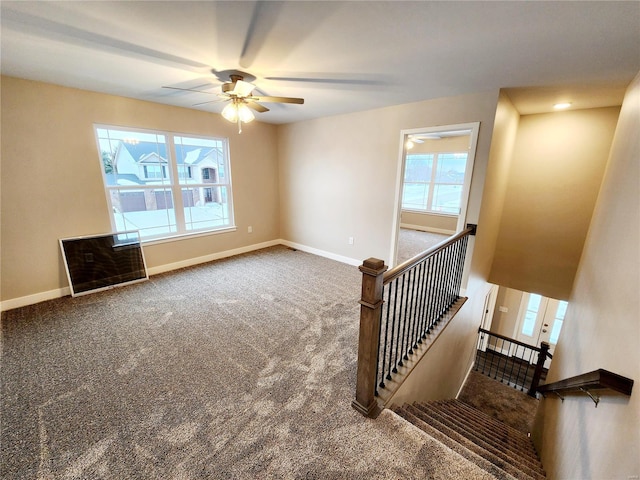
<point>542,357</point>
<point>370,309</point>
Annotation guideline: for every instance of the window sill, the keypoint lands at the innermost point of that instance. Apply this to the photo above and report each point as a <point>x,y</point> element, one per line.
<point>186,236</point>
<point>424,212</point>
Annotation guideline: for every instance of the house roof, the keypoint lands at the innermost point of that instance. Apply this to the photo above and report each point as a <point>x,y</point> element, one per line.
<point>187,154</point>
<point>123,179</point>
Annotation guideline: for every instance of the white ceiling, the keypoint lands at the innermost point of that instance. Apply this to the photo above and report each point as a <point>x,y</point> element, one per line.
<point>339,56</point>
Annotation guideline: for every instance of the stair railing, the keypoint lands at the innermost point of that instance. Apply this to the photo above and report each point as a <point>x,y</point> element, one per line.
<point>592,384</point>
<point>400,307</point>
<point>515,363</point>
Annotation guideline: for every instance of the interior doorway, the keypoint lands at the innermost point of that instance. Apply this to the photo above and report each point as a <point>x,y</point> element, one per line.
<point>434,179</point>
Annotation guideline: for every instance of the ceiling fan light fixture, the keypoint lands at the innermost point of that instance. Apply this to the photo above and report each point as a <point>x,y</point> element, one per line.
<point>238,112</point>
<point>244,113</point>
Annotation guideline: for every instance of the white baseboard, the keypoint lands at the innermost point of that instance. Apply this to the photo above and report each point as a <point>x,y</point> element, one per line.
<point>427,229</point>
<point>33,299</point>
<point>322,253</point>
<point>168,267</point>
<point>62,292</point>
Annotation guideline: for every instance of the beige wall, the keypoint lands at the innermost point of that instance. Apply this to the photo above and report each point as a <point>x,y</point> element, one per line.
<point>558,162</point>
<point>428,222</point>
<point>52,186</point>
<point>504,323</point>
<point>338,175</point>
<point>602,328</point>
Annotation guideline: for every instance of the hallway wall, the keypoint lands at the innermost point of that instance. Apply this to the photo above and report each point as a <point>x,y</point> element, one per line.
<point>558,163</point>
<point>601,328</point>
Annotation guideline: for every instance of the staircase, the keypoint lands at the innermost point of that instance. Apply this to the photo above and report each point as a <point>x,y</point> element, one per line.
<point>499,449</point>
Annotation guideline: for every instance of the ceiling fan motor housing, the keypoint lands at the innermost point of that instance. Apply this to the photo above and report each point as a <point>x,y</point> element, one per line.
<point>227,87</point>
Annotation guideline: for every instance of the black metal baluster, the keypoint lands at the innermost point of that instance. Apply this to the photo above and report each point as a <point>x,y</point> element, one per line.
<point>386,336</point>
<point>520,364</point>
<point>410,297</point>
<point>423,279</point>
<point>430,296</point>
<point>443,282</point>
<point>436,289</point>
<point>526,378</point>
<point>416,305</point>
<point>513,361</point>
<point>499,359</point>
<point>405,339</point>
<point>396,325</point>
<point>402,323</point>
<point>451,269</point>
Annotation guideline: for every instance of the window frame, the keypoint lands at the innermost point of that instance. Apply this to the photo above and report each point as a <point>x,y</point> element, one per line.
<point>432,183</point>
<point>173,182</point>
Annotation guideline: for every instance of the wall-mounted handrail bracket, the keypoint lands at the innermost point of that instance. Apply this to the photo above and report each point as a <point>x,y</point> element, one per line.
<point>595,398</point>
<point>603,381</point>
<point>559,396</point>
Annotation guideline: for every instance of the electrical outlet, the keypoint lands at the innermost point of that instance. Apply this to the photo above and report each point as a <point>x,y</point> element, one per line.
<point>249,229</point>
<point>350,240</point>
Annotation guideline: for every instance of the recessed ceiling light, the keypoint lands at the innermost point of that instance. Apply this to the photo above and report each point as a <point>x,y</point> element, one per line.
<point>562,106</point>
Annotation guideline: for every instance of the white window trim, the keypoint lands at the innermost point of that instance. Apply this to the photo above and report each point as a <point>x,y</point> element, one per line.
<point>432,183</point>
<point>174,185</point>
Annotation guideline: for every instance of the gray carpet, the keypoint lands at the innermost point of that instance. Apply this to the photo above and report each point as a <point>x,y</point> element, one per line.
<point>413,242</point>
<point>242,368</point>
<point>500,401</point>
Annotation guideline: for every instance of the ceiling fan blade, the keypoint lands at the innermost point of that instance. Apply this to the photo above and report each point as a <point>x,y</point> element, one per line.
<point>263,19</point>
<point>210,101</point>
<point>268,99</point>
<point>257,107</point>
<point>242,89</point>
<point>338,79</point>
<point>190,90</point>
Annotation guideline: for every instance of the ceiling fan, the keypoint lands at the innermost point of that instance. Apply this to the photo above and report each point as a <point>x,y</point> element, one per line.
<point>240,93</point>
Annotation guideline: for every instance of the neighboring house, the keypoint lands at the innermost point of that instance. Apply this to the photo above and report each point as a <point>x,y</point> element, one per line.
<point>145,163</point>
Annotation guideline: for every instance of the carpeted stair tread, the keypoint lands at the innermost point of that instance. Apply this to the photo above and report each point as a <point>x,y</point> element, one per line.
<point>457,447</point>
<point>510,462</point>
<point>476,420</point>
<point>497,424</point>
<point>506,464</point>
<point>483,436</point>
<point>479,430</point>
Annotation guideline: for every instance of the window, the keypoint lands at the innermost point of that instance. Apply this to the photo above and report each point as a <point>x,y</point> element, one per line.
<point>558,320</point>
<point>165,184</point>
<point>433,182</point>
<point>155,171</point>
<point>531,313</point>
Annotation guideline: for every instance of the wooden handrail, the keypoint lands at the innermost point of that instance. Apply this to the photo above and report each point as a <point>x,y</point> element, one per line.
<point>398,270</point>
<point>597,380</point>
<point>512,340</point>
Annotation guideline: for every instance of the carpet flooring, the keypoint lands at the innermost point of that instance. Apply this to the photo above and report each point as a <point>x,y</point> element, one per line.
<point>413,242</point>
<point>502,402</point>
<point>243,368</point>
